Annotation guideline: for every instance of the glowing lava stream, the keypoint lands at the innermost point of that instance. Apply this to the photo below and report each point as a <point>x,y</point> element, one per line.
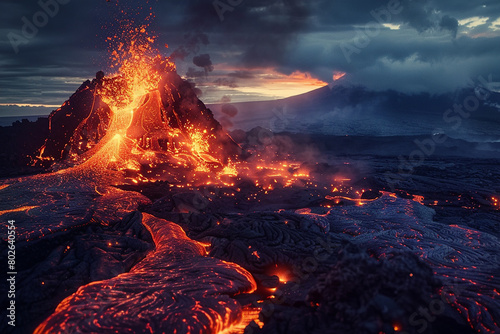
<point>175,289</point>
<point>21,209</point>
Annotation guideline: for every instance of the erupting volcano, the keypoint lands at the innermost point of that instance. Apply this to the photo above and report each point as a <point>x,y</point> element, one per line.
<point>152,219</point>
<point>145,120</point>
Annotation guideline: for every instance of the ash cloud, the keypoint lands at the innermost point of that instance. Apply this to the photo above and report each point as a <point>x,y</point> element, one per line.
<point>204,62</point>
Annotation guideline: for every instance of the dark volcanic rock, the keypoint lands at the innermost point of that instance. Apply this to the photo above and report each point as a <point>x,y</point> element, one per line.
<point>78,124</point>
<point>185,111</point>
<point>20,143</point>
<point>53,268</point>
<point>363,295</point>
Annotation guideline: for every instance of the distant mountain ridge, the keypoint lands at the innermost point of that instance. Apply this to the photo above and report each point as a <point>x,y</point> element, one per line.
<point>355,110</point>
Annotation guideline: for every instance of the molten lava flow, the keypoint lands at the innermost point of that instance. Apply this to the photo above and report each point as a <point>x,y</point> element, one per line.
<point>142,124</point>
<point>176,289</point>
<point>21,209</point>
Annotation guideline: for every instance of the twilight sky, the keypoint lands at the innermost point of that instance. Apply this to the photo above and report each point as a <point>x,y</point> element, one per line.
<point>243,50</point>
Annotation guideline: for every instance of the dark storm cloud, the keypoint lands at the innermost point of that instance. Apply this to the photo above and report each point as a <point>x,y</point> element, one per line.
<point>281,34</point>
<point>50,55</point>
<point>419,14</point>
<point>424,15</point>
<point>394,61</point>
<point>263,29</point>
<point>288,35</point>
<point>426,59</point>
<point>449,23</point>
<point>470,8</point>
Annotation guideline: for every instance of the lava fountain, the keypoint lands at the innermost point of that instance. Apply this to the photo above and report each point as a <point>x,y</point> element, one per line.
<point>144,113</point>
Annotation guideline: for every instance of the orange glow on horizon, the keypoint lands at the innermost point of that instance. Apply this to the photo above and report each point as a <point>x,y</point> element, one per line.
<point>337,75</point>
<point>266,83</point>
<point>29,105</point>
<point>276,85</point>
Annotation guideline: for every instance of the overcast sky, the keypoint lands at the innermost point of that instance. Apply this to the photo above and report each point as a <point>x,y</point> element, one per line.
<point>254,49</point>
